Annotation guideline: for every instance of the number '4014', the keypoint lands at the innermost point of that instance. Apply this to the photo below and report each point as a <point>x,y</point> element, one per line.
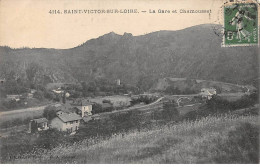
<point>54,12</point>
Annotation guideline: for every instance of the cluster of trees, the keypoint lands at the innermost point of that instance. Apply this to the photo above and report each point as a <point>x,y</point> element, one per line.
<point>143,99</point>
<point>49,112</point>
<point>105,128</point>
<point>217,103</point>
<point>103,86</point>
<point>170,112</point>
<point>19,82</point>
<point>98,87</point>
<point>98,108</point>
<point>10,104</point>
<point>176,91</point>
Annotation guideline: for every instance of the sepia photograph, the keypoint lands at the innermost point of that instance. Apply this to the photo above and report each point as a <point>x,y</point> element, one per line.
<point>129,82</point>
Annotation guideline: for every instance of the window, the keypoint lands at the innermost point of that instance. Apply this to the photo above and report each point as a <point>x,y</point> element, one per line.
<point>76,121</point>
<point>71,122</point>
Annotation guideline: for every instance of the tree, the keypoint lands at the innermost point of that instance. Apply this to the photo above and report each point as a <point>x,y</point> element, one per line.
<point>172,90</point>
<point>97,108</point>
<point>49,95</point>
<point>31,71</point>
<point>92,87</point>
<point>9,104</point>
<point>38,95</point>
<point>49,112</point>
<point>170,112</point>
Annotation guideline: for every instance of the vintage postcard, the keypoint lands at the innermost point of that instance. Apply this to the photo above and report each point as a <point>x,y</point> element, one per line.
<point>129,82</point>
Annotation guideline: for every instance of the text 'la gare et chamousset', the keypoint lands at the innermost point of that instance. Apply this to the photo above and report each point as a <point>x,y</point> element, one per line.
<point>125,11</point>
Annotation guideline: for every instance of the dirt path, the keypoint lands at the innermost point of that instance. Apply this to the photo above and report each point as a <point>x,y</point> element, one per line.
<point>4,113</point>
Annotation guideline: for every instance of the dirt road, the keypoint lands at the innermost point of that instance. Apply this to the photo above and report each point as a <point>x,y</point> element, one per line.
<point>4,113</point>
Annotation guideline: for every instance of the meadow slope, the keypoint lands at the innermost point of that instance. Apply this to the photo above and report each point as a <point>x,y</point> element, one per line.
<point>221,139</point>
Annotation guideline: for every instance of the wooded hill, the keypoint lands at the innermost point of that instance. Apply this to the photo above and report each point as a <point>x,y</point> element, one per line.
<point>193,52</point>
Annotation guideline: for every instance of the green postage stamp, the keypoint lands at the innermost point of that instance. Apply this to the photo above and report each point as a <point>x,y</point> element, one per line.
<point>240,24</point>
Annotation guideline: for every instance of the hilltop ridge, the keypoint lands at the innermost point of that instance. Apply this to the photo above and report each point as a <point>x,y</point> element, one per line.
<point>194,52</point>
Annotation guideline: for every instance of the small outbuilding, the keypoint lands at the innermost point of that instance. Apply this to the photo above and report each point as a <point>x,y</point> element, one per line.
<point>37,125</point>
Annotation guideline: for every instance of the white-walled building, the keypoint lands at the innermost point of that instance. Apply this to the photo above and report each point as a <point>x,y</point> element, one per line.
<point>66,121</point>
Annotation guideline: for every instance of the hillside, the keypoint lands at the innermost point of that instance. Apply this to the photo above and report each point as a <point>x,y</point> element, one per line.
<point>222,139</point>
<point>193,52</point>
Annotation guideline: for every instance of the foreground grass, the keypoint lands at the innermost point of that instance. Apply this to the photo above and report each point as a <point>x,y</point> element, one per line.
<point>222,139</point>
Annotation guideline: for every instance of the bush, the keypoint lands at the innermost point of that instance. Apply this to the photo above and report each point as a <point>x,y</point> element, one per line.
<point>143,99</point>
<point>217,103</point>
<point>241,145</point>
<point>170,112</point>
<point>10,104</point>
<point>96,108</point>
<point>106,101</point>
<point>15,146</point>
<point>38,95</point>
<point>49,112</point>
<point>49,95</point>
<point>50,138</point>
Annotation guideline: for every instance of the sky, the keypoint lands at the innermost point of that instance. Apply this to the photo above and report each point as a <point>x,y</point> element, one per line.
<point>28,23</point>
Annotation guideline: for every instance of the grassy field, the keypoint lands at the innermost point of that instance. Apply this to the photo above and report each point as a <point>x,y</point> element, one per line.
<point>19,118</point>
<point>30,103</point>
<point>117,100</point>
<point>221,139</point>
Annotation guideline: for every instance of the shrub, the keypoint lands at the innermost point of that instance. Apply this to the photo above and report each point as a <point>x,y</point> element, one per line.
<point>96,108</point>
<point>49,112</point>
<point>217,103</point>
<point>106,101</point>
<point>38,95</point>
<point>170,112</point>
<point>10,104</point>
<point>49,95</point>
<point>50,138</point>
<point>143,99</point>
<point>241,145</point>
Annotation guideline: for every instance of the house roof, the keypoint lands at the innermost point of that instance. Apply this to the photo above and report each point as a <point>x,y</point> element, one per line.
<point>86,119</point>
<point>40,120</point>
<point>66,117</point>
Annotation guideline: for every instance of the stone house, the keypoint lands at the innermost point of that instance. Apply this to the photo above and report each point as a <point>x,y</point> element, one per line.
<point>208,92</point>
<point>66,122</point>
